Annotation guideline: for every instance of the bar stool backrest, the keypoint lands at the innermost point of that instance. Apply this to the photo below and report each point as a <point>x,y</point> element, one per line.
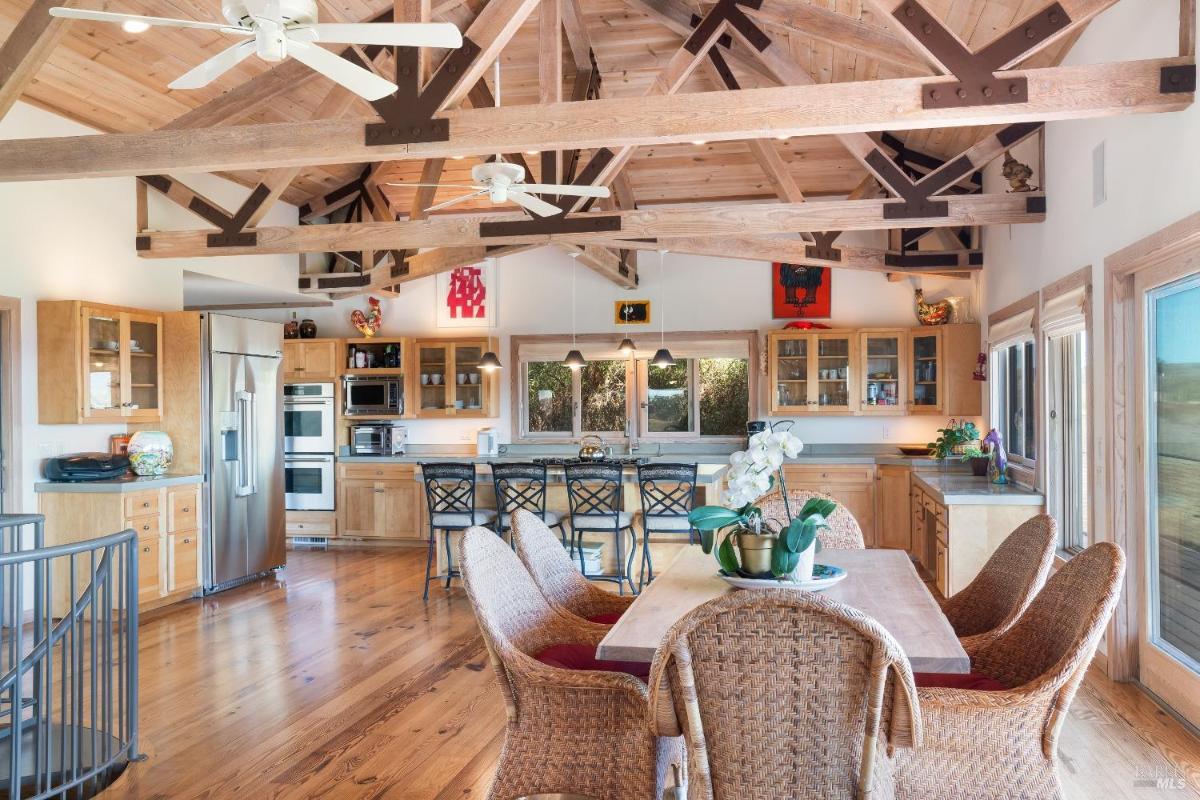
<point>449,488</point>
<point>668,490</point>
<point>594,489</point>
<point>520,486</point>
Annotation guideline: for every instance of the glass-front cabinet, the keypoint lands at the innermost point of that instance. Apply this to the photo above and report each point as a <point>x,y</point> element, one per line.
<point>121,371</point>
<point>925,360</point>
<point>812,373</point>
<point>883,365</point>
<point>449,380</point>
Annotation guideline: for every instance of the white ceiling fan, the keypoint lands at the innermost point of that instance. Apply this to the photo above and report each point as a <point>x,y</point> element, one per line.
<point>277,29</point>
<point>503,181</point>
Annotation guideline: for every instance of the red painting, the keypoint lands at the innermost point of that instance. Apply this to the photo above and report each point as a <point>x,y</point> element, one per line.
<point>467,297</point>
<point>799,292</point>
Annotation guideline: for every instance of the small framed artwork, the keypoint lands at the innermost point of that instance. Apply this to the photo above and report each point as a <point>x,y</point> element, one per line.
<point>631,312</point>
<point>799,292</point>
<point>467,297</point>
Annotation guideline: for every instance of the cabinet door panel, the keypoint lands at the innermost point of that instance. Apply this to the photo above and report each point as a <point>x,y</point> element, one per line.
<point>788,367</point>
<point>859,500</point>
<point>149,569</point>
<point>925,363</point>
<point>182,512</point>
<point>293,357</point>
<point>103,377</point>
<point>356,505</point>
<point>398,510</point>
<point>835,379</point>
<point>320,359</point>
<point>185,560</point>
<point>893,523</point>
<point>145,368</point>
<point>882,365</point>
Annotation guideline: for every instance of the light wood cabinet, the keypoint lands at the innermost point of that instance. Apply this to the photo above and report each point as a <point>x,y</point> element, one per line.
<point>893,519</point>
<point>851,485</point>
<point>383,501</point>
<point>874,371</point>
<point>446,379</point>
<point>311,360</point>
<point>167,523</point>
<point>98,363</point>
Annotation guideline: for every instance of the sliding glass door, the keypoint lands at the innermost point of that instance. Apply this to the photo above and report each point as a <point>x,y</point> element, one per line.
<point>1169,646</point>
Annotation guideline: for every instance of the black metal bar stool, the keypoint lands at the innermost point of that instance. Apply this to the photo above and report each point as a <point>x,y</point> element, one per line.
<point>594,492</point>
<point>668,494</point>
<point>450,497</point>
<point>524,486</point>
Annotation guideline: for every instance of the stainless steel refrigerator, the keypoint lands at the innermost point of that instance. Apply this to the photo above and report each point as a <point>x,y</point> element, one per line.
<point>243,458</point>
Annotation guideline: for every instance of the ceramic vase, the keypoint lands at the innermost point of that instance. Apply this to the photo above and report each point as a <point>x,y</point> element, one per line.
<point>308,329</point>
<point>150,452</point>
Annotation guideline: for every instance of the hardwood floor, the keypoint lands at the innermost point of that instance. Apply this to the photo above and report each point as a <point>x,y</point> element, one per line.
<point>337,681</point>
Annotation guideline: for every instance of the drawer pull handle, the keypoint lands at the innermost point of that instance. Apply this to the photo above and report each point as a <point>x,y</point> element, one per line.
<point>145,504</point>
<point>145,527</point>
<point>145,549</point>
<point>186,509</point>
<point>187,541</point>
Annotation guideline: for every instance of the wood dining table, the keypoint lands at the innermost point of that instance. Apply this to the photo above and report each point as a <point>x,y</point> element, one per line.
<point>881,583</point>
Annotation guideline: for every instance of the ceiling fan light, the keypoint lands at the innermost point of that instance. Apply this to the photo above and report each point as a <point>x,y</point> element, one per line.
<point>627,347</point>
<point>489,362</point>
<point>574,359</point>
<point>663,358</point>
<point>135,26</point>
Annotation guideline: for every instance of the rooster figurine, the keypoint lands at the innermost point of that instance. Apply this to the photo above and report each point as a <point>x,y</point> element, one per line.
<point>932,313</point>
<point>368,324</point>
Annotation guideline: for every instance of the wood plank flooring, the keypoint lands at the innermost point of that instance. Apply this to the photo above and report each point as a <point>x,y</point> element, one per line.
<point>337,681</point>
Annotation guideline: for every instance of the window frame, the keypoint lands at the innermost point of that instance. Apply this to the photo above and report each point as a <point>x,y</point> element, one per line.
<point>1023,470</point>
<point>636,388</point>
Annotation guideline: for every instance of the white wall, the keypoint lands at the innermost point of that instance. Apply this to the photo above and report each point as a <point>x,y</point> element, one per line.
<point>1153,175</point>
<point>534,295</point>
<point>71,240</point>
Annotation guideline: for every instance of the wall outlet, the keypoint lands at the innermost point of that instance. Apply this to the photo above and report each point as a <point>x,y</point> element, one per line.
<point>467,436</point>
<point>887,432</point>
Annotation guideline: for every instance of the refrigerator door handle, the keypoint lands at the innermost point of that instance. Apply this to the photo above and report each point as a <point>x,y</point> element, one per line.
<point>247,463</point>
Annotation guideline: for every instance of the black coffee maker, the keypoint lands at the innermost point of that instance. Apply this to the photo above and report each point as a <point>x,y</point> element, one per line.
<point>755,426</point>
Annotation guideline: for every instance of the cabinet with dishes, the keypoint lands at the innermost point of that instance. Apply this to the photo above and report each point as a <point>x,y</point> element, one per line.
<point>449,378</point>
<point>874,371</point>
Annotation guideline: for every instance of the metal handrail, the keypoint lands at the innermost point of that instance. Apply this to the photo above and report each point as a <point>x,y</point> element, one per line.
<point>68,661</point>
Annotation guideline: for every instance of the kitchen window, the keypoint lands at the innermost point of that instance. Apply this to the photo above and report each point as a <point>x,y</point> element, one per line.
<point>705,395</point>
<point>1014,386</point>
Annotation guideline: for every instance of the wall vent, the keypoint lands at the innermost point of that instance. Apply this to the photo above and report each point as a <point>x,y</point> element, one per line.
<point>1099,178</point>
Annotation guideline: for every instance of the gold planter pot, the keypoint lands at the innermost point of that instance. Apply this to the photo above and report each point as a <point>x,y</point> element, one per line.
<point>754,550</point>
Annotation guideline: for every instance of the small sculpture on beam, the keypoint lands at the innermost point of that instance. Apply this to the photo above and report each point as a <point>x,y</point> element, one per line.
<point>1017,174</point>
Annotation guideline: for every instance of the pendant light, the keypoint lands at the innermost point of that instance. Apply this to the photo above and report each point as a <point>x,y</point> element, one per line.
<point>488,362</point>
<point>627,347</point>
<point>574,358</point>
<point>663,357</point>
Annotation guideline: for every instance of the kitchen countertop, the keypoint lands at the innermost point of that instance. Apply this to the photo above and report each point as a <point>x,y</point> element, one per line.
<point>706,474</point>
<point>129,483</point>
<point>967,490</point>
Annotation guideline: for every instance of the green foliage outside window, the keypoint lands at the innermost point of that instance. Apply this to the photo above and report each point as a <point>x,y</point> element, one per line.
<point>549,397</point>
<point>724,396</point>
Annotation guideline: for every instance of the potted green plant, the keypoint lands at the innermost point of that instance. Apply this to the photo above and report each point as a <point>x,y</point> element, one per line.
<point>954,438</point>
<point>978,460</point>
<point>744,543</point>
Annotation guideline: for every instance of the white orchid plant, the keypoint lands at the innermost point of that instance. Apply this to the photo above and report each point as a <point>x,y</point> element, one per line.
<point>752,474</point>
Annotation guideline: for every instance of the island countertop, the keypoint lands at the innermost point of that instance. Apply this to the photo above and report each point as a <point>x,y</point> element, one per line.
<point>706,474</point>
<point>967,490</point>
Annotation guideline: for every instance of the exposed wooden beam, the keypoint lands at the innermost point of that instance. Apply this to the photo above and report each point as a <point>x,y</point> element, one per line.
<point>550,75</point>
<point>578,38</point>
<point>1055,93</point>
<point>766,218</point>
<point>26,49</point>
<point>606,263</point>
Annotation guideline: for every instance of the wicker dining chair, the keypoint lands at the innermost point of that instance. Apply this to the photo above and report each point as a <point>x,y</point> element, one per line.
<point>557,576</point>
<point>784,695</point>
<point>843,533</point>
<point>1003,743</point>
<point>1007,584</point>
<point>568,731</point>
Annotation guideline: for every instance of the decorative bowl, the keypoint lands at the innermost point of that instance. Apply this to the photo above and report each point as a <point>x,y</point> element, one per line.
<point>824,576</point>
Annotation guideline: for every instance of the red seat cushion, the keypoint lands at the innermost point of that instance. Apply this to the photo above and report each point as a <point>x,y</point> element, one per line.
<point>972,680</point>
<point>606,619</point>
<point>583,657</point>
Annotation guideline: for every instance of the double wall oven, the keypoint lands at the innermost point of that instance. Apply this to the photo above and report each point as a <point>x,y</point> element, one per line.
<point>309,411</point>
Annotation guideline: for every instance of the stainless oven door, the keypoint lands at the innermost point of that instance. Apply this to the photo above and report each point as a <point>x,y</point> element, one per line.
<point>309,482</point>
<point>308,425</point>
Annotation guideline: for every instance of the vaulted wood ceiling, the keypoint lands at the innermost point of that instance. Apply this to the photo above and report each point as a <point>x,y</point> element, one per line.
<point>116,82</point>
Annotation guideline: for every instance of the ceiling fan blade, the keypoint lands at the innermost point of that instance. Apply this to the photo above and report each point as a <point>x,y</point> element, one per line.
<point>534,204</point>
<point>108,16</point>
<point>208,71</point>
<point>362,82</point>
<point>401,34</point>
<point>456,200</point>
<point>567,189</point>
<point>440,185</point>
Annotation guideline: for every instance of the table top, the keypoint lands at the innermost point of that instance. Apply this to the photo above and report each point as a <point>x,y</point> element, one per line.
<point>881,583</point>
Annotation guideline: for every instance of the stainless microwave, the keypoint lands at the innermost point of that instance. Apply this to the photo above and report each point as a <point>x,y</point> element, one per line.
<point>366,395</point>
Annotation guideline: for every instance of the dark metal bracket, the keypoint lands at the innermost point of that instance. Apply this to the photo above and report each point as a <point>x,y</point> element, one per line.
<point>1178,79</point>
<point>727,11</point>
<point>824,249</point>
<point>977,83</point>
<point>408,113</point>
<point>232,233</point>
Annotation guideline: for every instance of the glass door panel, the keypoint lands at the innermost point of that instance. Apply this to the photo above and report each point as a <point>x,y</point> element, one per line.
<point>468,378</point>
<point>435,394</point>
<point>833,372</point>
<point>881,370</point>
<point>143,365</point>
<point>925,377</point>
<point>791,373</point>
<point>102,333</point>
<point>1171,373</point>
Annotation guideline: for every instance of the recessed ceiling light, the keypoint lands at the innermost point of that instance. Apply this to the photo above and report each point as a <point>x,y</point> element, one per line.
<point>699,142</point>
<point>458,158</point>
<point>783,138</point>
<point>531,152</point>
<point>135,26</point>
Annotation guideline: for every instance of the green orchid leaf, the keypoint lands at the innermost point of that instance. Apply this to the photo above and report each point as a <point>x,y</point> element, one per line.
<point>779,559</point>
<point>727,555</point>
<point>802,532</point>
<point>706,541</point>
<point>711,518</point>
<point>818,505</point>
